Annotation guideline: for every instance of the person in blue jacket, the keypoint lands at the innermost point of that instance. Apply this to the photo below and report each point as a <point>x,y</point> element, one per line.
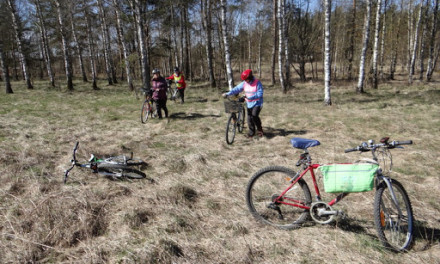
<point>253,90</point>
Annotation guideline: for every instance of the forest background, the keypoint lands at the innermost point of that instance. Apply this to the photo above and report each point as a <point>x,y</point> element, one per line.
<point>338,71</point>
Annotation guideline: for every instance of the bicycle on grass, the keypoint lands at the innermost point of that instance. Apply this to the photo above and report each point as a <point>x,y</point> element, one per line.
<point>280,197</point>
<point>236,119</point>
<point>149,108</point>
<point>114,167</point>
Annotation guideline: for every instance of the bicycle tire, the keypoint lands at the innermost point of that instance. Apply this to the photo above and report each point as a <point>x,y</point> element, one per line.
<point>230,129</point>
<point>266,185</point>
<point>145,111</point>
<point>240,120</point>
<point>395,231</point>
<point>119,170</point>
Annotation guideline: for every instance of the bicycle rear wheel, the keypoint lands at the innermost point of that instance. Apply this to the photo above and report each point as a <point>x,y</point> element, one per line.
<point>267,185</point>
<point>394,227</point>
<point>123,160</point>
<point>119,170</point>
<point>240,120</point>
<point>230,128</point>
<point>145,112</point>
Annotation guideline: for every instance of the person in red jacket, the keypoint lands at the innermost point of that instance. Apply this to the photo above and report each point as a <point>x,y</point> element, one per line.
<point>179,79</point>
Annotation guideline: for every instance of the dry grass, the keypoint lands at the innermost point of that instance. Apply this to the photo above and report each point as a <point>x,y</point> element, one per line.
<point>194,211</point>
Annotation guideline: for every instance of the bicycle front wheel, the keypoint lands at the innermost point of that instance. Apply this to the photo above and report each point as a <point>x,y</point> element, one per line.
<point>145,112</point>
<point>119,170</point>
<point>123,160</point>
<point>267,185</point>
<point>230,129</point>
<point>394,226</point>
<point>240,120</point>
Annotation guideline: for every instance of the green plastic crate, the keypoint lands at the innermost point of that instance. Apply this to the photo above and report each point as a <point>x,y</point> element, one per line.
<point>348,178</point>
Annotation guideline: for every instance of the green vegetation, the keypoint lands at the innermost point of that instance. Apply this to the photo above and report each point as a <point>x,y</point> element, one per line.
<point>194,211</point>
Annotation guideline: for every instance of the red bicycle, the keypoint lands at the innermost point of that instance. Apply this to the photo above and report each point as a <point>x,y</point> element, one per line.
<point>280,197</point>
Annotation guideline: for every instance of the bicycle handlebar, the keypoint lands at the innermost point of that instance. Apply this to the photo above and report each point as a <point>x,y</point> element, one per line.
<point>370,146</point>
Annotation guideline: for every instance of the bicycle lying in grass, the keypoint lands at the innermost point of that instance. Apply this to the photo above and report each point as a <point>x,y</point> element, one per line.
<point>148,108</point>
<point>280,197</point>
<point>114,167</point>
<point>236,119</point>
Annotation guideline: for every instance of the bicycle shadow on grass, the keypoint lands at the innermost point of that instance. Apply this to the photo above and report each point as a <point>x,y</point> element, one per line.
<point>189,116</point>
<point>430,235</point>
<point>270,132</point>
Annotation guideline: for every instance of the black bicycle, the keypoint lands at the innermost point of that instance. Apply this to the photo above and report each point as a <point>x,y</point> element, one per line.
<point>114,167</point>
<point>149,108</point>
<point>235,107</point>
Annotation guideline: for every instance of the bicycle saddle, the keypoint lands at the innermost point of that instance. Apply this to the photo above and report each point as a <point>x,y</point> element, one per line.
<point>303,143</point>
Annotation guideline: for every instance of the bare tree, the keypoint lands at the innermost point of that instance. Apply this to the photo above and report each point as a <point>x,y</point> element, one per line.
<point>5,70</point>
<point>226,44</point>
<point>140,24</point>
<point>376,44</point>
<point>90,44</point>
<point>281,44</point>
<point>111,77</point>
<point>45,43</point>
<point>352,37</point>
<point>67,62</point>
<point>123,43</point>
<point>207,25</point>
<point>274,42</point>
<point>366,38</point>
<point>430,67</point>
<point>415,45</point>
<point>16,23</point>
<point>327,55</point>
<point>75,39</point>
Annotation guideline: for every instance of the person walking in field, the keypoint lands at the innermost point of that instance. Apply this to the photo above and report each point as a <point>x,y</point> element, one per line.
<point>179,79</point>
<point>159,92</point>
<point>253,90</point>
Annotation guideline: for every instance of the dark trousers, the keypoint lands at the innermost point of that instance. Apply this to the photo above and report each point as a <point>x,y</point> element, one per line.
<point>182,95</point>
<point>161,104</point>
<point>254,120</point>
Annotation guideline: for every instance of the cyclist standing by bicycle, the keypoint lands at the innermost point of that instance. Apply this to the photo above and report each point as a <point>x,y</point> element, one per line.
<point>253,90</point>
<point>179,79</point>
<point>159,92</point>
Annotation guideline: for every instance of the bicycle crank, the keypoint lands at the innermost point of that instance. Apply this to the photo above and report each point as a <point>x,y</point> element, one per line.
<point>323,213</point>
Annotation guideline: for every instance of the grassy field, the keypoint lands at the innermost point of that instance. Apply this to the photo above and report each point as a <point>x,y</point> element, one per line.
<point>193,210</point>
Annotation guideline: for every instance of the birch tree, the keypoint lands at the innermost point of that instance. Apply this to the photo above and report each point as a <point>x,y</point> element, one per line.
<point>376,43</point>
<point>111,77</point>
<point>281,44</point>
<point>78,44</point>
<point>226,45</point>
<point>90,44</point>
<point>415,45</point>
<point>123,43</point>
<point>274,41</point>
<point>16,24</point>
<point>366,38</point>
<point>430,67</point>
<point>327,55</point>
<point>67,63</point>
<point>5,70</point>
<point>207,26</point>
<point>45,43</point>
<point>140,25</point>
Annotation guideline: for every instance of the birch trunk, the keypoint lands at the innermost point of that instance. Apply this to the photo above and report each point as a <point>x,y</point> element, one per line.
<point>430,67</point>
<point>45,43</point>
<point>78,47</point>
<point>422,40</point>
<point>382,43</point>
<point>281,44</point>
<point>145,68</point>
<point>16,23</point>
<point>415,46</point>
<point>274,43</point>
<point>67,63</point>
<point>327,55</point>
<point>90,45</point>
<point>5,71</point>
<point>226,45</point>
<point>124,45</point>
<point>207,24</point>
<point>107,51</point>
<point>366,38</point>
<point>376,43</point>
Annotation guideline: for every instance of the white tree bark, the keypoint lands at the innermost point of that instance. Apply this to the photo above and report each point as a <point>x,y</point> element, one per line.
<point>226,44</point>
<point>430,67</point>
<point>106,38</point>
<point>415,45</point>
<point>124,45</point>
<point>16,23</point>
<point>366,38</point>
<point>67,63</point>
<point>90,45</point>
<point>327,55</point>
<point>376,43</point>
<point>281,44</point>
<point>145,68</point>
